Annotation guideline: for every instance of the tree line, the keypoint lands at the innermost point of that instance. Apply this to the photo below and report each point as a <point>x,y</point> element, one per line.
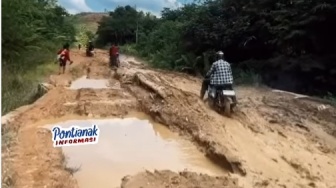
<point>33,26</point>
<point>290,44</point>
<point>32,32</point>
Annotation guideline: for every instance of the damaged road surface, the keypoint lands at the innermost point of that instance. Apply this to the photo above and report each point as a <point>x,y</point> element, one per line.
<point>275,139</point>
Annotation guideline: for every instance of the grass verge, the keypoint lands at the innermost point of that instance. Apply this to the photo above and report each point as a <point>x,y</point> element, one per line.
<point>129,49</point>
<point>242,77</point>
<point>20,88</point>
<point>330,97</point>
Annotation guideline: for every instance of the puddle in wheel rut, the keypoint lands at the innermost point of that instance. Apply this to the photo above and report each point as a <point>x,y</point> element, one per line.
<point>128,146</point>
<point>84,82</point>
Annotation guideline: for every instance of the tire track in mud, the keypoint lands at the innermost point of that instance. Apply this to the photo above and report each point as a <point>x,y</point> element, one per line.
<point>165,108</point>
<point>270,142</point>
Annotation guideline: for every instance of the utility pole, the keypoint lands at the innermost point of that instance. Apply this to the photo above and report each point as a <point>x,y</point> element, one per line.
<point>137,30</point>
<point>137,27</point>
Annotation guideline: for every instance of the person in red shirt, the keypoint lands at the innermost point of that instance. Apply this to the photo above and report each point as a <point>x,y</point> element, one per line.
<point>114,53</point>
<point>63,57</point>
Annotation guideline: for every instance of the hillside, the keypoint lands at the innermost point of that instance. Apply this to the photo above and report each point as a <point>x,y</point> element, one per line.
<point>86,26</point>
<point>89,20</point>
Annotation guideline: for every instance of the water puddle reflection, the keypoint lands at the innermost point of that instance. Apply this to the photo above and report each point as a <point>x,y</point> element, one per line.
<point>131,145</point>
<point>84,82</point>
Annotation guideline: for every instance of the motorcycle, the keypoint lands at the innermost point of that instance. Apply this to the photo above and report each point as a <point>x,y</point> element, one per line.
<point>89,53</point>
<point>221,100</point>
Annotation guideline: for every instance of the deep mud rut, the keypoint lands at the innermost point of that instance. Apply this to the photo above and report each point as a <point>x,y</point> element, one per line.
<point>275,139</point>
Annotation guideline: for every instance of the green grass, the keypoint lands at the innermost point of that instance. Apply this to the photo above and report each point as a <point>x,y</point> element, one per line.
<point>20,88</point>
<point>330,97</point>
<point>129,49</point>
<point>246,78</point>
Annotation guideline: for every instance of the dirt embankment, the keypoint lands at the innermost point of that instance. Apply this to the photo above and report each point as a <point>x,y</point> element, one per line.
<point>273,140</point>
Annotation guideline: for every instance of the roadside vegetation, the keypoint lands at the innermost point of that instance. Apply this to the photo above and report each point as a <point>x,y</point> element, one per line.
<point>32,33</point>
<point>287,45</point>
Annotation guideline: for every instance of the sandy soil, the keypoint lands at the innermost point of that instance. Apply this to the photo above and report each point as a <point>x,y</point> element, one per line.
<point>275,139</point>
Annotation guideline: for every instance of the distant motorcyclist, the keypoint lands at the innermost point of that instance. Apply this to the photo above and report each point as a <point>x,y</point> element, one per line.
<point>89,48</point>
<point>220,75</point>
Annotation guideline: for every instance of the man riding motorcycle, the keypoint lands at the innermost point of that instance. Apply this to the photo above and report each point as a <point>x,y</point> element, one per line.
<point>89,48</point>
<point>220,75</point>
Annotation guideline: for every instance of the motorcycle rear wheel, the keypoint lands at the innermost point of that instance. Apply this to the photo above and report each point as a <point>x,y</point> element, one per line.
<point>227,107</point>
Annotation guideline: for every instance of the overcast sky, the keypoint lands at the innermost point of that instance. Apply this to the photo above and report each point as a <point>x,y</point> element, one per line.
<point>153,6</point>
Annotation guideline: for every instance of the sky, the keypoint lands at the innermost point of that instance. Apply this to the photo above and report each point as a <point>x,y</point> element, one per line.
<point>153,6</point>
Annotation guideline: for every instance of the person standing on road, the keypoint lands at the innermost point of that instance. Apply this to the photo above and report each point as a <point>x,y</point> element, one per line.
<point>79,46</point>
<point>114,53</point>
<point>63,56</point>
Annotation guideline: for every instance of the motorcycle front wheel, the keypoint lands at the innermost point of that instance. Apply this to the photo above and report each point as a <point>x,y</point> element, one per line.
<point>210,102</point>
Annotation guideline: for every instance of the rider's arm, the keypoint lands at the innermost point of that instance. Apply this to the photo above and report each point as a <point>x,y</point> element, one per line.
<point>212,69</point>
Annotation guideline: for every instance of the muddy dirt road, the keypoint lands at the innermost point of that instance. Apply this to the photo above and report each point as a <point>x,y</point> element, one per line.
<point>276,139</point>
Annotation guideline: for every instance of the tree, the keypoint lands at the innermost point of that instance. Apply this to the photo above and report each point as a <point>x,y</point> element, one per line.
<point>32,32</point>
<point>268,37</point>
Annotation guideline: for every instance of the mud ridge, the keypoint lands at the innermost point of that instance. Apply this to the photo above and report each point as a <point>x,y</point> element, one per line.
<point>18,170</point>
<point>10,131</point>
<point>157,105</point>
<point>182,180</point>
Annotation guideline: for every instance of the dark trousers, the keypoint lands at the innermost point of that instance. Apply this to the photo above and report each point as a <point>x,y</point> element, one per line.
<point>205,85</point>
<point>113,61</point>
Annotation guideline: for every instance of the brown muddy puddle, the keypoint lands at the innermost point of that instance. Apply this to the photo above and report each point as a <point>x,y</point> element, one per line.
<point>128,146</point>
<point>84,82</point>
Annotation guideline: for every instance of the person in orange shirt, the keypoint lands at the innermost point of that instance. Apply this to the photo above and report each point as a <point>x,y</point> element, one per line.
<point>63,57</point>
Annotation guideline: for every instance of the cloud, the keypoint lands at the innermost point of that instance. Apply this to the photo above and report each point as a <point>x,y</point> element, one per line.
<point>75,6</point>
<point>153,6</point>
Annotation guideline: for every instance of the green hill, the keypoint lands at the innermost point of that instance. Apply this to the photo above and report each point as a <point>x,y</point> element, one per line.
<point>87,25</point>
